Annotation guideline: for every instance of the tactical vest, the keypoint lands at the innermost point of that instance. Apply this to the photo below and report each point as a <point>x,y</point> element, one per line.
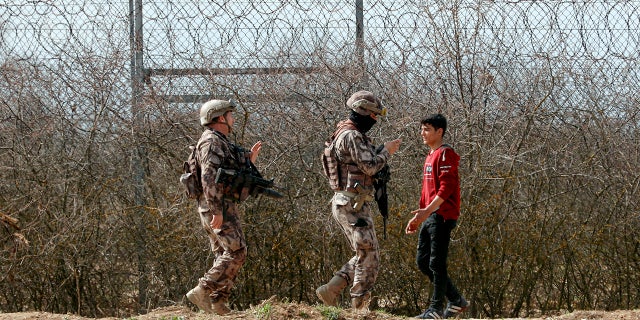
<point>343,176</point>
<point>235,157</point>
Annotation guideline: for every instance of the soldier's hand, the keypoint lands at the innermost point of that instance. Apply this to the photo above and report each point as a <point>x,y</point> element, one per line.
<point>255,150</point>
<point>216,222</point>
<point>392,146</point>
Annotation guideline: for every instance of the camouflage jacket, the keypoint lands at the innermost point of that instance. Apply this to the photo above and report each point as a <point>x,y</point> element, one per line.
<point>357,159</point>
<point>216,151</point>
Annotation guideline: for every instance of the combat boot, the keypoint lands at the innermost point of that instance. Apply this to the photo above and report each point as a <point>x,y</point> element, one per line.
<point>361,303</point>
<point>200,297</point>
<point>328,293</point>
<point>220,307</point>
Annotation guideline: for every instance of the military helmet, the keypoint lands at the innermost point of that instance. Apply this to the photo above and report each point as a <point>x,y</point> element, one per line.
<point>213,109</point>
<point>364,102</point>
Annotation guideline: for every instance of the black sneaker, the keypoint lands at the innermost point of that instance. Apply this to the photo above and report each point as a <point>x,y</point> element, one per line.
<point>430,313</point>
<point>455,309</point>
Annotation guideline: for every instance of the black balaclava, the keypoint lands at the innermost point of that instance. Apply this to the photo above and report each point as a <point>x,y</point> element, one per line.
<point>364,123</point>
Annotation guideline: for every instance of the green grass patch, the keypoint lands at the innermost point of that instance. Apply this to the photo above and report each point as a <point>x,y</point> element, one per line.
<point>329,313</point>
<point>264,311</point>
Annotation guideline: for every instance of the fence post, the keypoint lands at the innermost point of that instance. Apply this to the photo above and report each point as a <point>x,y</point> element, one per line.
<point>139,153</point>
<point>364,79</point>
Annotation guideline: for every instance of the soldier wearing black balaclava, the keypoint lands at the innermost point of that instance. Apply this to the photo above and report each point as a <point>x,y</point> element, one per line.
<point>350,162</point>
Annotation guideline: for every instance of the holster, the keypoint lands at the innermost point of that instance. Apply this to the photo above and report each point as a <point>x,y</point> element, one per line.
<point>361,196</point>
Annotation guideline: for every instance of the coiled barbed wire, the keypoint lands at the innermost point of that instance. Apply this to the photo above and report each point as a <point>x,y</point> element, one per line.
<point>258,32</point>
<point>406,37</point>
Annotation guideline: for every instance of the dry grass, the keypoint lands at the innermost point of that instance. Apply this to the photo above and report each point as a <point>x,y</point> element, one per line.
<point>276,310</point>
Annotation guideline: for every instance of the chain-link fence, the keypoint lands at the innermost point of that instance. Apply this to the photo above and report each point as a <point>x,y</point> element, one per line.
<point>542,99</point>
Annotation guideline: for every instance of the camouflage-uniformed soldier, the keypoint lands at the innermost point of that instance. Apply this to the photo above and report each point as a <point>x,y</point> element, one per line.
<point>217,210</point>
<point>350,161</point>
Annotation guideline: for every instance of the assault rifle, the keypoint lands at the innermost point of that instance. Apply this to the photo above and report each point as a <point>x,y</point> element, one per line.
<point>380,180</point>
<point>234,181</point>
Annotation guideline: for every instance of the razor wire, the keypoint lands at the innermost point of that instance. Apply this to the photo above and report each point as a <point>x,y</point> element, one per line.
<point>400,37</point>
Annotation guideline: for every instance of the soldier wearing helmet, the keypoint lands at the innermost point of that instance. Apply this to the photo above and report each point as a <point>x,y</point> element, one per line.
<point>218,213</point>
<point>350,161</point>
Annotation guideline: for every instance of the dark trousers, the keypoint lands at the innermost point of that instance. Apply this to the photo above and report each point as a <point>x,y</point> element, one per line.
<point>433,249</point>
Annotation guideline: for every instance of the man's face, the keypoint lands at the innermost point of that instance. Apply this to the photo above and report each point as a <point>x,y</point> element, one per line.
<point>230,119</point>
<point>430,136</point>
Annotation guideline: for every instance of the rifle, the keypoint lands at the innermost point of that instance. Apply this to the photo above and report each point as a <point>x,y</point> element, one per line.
<point>236,180</point>
<point>380,180</point>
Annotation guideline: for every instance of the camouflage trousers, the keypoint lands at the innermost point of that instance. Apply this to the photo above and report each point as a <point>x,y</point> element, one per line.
<point>362,269</point>
<point>229,249</point>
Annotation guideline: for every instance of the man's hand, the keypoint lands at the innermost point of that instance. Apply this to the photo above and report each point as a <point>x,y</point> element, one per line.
<point>216,222</point>
<point>392,146</point>
<point>255,150</point>
<point>418,217</point>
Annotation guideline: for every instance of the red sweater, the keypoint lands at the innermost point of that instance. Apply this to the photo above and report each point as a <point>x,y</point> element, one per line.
<point>440,178</point>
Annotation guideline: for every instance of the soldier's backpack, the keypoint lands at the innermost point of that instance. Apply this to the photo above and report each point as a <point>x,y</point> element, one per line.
<point>330,165</point>
<point>329,160</point>
<point>190,177</point>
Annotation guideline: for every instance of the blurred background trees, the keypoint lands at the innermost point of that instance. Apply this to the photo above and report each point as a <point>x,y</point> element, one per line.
<point>542,100</point>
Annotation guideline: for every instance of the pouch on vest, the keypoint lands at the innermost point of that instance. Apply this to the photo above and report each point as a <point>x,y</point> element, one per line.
<point>330,166</point>
<point>190,177</point>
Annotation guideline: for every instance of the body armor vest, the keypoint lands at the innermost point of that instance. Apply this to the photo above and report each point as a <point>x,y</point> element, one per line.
<point>235,157</point>
<point>343,176</point>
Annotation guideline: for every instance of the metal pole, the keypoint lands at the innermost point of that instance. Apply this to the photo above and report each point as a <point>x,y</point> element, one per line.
<point>364,81</point>
<point>139,154</point>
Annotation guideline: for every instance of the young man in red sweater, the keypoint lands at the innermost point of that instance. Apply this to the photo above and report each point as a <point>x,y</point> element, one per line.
<point>437,216</point>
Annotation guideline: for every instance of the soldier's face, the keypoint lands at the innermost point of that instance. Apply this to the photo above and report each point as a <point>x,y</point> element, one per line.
<point>230,119</point>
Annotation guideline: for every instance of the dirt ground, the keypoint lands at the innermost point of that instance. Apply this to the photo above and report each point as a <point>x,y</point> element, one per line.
<point>276,310</point>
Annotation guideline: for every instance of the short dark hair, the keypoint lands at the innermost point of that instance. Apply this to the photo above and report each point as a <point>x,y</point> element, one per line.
<point>437,121</point>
